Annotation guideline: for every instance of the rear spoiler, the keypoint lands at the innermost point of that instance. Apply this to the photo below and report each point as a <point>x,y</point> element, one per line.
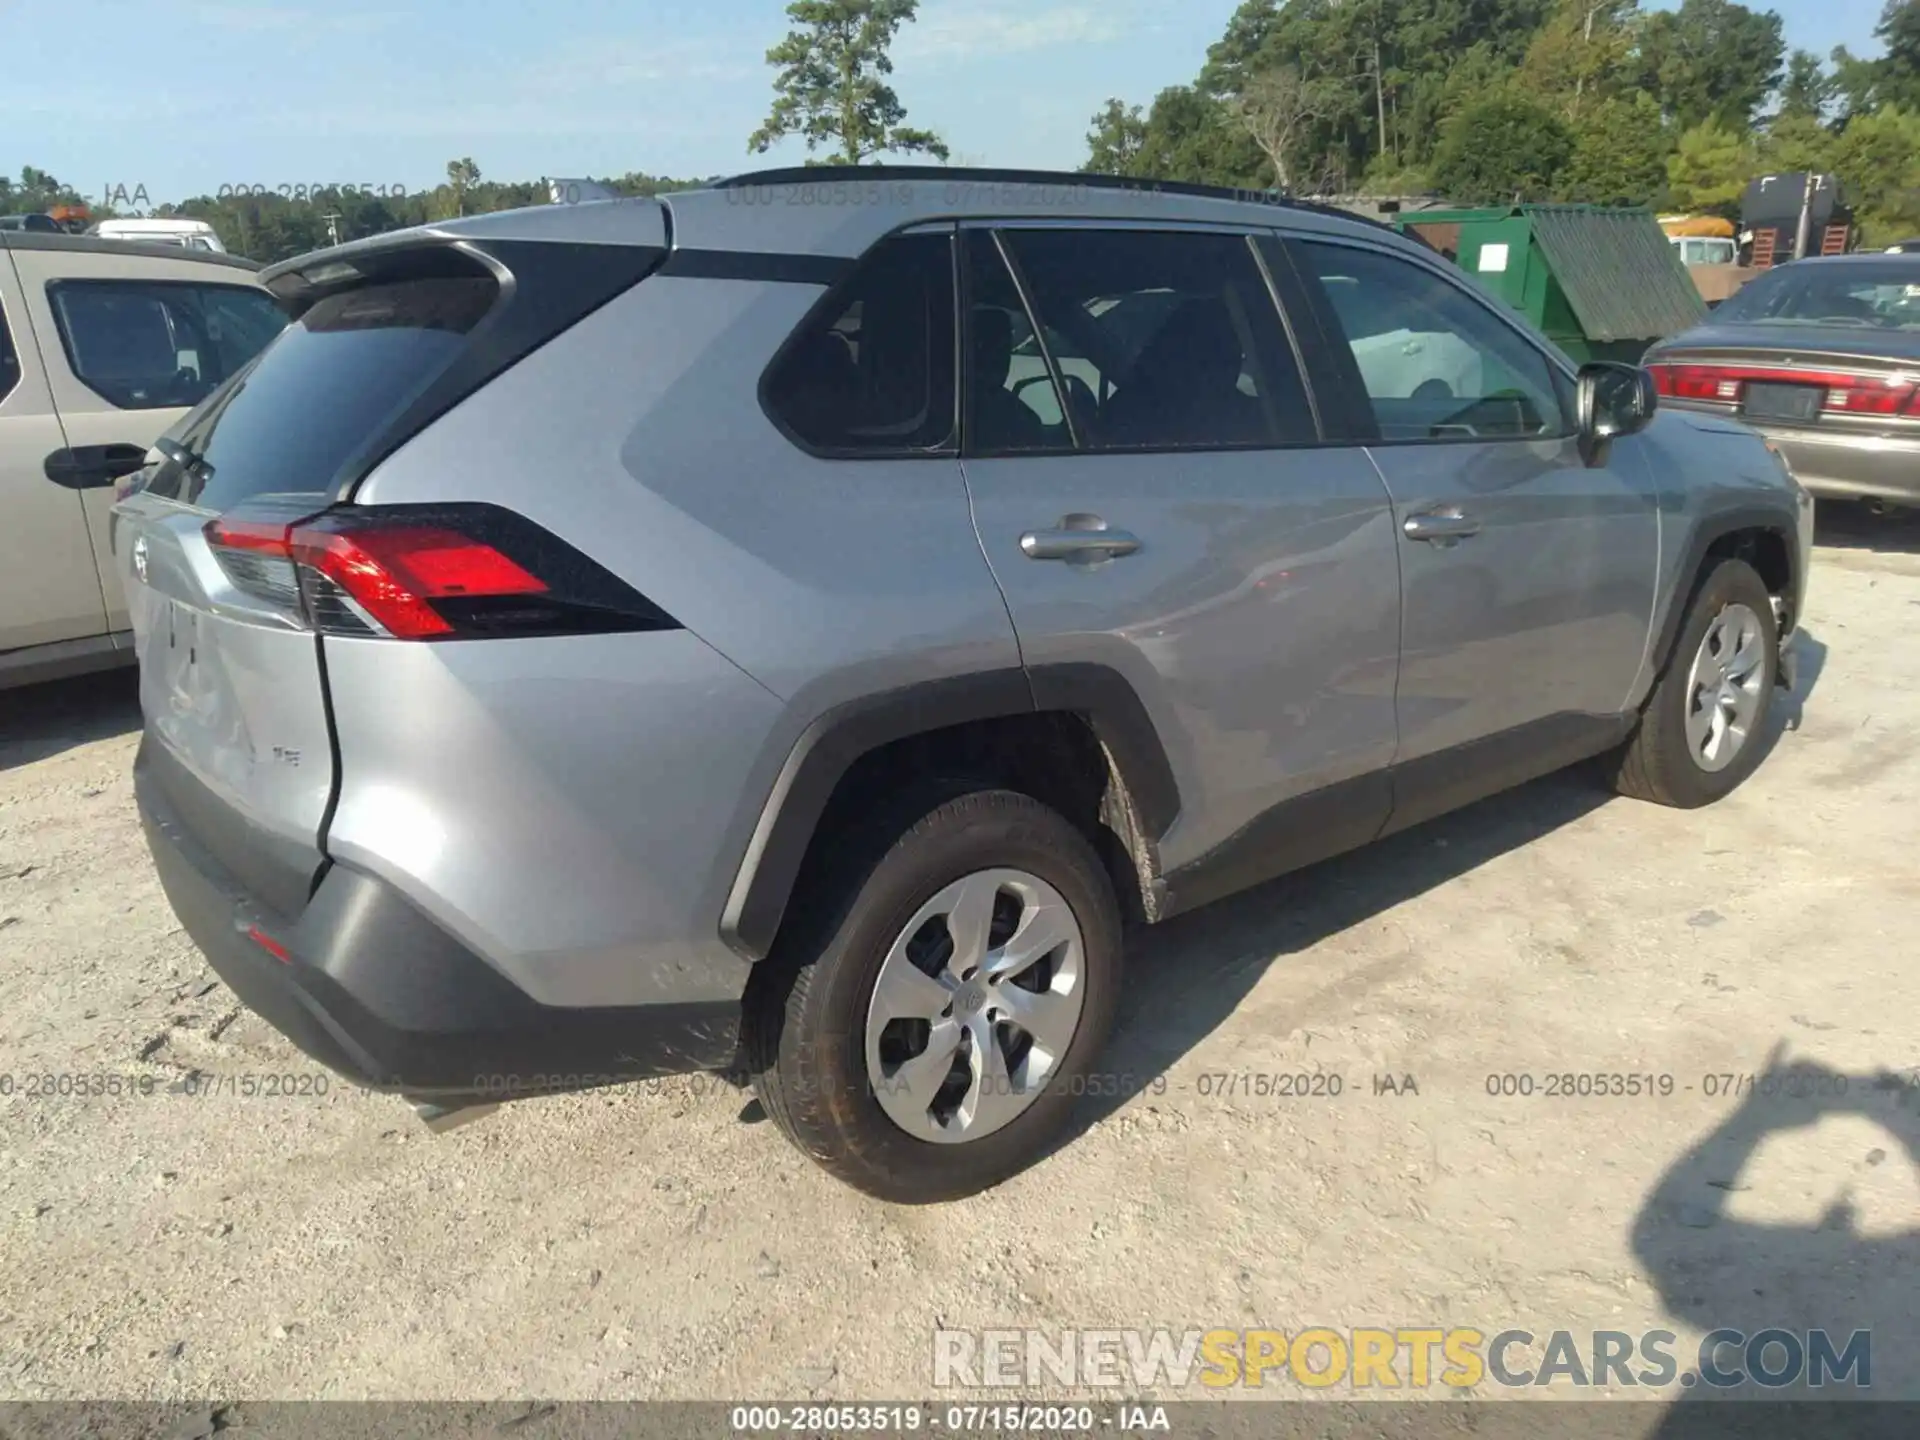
<point>640,224</point>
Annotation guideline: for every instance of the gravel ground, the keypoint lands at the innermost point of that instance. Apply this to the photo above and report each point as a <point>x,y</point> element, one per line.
<point>661,1241</point>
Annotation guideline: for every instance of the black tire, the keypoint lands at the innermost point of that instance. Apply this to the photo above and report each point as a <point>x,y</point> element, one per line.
<point>1657,763</point>
<point>806,1010</point>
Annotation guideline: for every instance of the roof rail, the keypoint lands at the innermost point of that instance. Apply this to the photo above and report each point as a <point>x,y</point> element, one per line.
<point>992,175</point>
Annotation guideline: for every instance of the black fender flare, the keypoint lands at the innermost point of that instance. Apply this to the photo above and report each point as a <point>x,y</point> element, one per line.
<point>1710,531</point>
<point>829,747</point>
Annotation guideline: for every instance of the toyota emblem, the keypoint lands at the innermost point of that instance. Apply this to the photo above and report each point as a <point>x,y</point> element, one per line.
<point>140,559</point>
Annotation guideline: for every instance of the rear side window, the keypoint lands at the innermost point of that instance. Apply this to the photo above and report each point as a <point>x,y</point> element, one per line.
<point>157,345</point>
<point>326,385</point>
<point>1161,340</point>
<point>872,371</point>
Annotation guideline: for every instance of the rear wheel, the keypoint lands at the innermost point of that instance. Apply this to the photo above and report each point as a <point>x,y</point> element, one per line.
<point>1700,733</point>
<point>924,1030</point>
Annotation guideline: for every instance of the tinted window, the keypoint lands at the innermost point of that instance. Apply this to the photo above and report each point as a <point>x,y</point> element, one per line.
<point>9,362</point>
<point>149,345</point>
<point>1879,295</point>
<point>1436,361</point>
<point>324,388</point>
<point>1162,340</point>
<point>1013,403</point>
<point>874,371</point>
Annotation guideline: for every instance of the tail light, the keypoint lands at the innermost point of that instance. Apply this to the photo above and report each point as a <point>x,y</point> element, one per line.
<point>427,572</point>
<point>1846,393</point>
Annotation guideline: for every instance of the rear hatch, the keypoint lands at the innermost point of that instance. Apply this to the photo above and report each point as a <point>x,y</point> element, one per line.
<point>240,548</point>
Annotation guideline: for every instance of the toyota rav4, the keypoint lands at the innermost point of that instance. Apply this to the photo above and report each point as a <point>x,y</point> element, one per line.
<point>795,627</point>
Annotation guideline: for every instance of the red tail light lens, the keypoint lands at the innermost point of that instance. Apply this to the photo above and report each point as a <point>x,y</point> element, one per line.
<point>396,574</point>
<point>428,573</point>
<point>1846,393</point>
<point>1696,382</point>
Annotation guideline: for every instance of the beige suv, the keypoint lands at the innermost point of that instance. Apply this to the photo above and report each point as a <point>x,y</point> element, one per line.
<point>103,345</point>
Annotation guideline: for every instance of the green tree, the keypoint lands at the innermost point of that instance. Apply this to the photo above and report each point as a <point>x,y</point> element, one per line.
<point>1114,143</point>
<point>1580,57</point>
<point>1711,59</point>
<point>1807,91</point>
<point>1239,51</point>
<point>1877,158</point>
<point>1710,167</point>
<point>1278,109</point>
<point>1619,154</point>
<point>1503,149</point>
<point>1893,78</point>
<point>35,192</point>
<point>1899,31</point>
<point>831,87</point>
<point>462,176</point>
<point>1193,137</point>
<point>1797,142</point>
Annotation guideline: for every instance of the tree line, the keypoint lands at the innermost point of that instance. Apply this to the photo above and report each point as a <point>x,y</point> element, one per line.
<point>273,226</point>
<point>1477,101</point>
<point>1490,101</point>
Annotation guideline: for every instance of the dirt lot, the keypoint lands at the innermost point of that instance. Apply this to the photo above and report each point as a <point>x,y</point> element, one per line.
<point>658,1241</point>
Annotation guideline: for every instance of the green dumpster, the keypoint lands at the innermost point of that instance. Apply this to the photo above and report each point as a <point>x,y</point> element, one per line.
<point>1602,283</point>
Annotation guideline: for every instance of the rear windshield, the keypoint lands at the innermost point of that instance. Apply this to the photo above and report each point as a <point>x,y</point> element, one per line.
<point>332,380</point>
<point>1879,295</point>
<point>159,344</point>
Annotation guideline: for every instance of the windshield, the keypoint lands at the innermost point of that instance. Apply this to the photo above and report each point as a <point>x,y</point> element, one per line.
<point>1882,296</point>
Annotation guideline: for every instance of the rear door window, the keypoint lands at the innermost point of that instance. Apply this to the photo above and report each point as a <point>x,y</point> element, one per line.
<point>325,386</point>
<point>873,371</point>
<point>159,345</point>
<point>1161,340</point>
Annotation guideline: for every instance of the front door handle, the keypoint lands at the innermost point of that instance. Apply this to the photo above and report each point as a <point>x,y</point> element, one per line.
<point>1443,526</point>
<point>88,467</point>
<point>1080,540</point>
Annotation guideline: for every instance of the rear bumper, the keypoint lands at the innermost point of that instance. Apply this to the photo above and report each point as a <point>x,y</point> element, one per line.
<point>1851,467</point>
<point>370,987</point>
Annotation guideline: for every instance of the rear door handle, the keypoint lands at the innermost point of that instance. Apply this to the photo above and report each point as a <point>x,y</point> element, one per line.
<point>88,467</point>
<point>1078,539</point>
<point>1443,526</point>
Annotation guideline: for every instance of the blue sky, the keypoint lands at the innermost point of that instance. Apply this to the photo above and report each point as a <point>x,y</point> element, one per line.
<point>184,96</point>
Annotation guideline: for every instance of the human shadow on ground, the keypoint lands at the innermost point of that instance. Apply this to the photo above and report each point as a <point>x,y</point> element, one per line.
<point>1714,1269</point>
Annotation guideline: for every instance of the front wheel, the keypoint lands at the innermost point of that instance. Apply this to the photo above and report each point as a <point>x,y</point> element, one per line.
<point>928,1025</point>
<point>1701,731</point>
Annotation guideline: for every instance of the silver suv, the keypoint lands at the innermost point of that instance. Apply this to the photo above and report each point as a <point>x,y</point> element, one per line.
<point>793,627</point>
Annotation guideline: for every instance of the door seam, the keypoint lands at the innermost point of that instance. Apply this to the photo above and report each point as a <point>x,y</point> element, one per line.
<point>1400,576</point>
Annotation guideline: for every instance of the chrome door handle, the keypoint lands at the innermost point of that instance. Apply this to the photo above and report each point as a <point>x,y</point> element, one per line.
<point>1441,526</point>
<point>1081,539</point>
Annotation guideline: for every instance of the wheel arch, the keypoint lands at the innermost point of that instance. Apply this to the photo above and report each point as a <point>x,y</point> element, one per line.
<point>1763,535</point>
<point>1004,726</point>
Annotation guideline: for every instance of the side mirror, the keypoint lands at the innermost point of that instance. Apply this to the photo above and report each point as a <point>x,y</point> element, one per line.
<point>1614,400</point>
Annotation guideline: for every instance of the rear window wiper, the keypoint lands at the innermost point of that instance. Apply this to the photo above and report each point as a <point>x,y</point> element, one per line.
<point>183,462</point>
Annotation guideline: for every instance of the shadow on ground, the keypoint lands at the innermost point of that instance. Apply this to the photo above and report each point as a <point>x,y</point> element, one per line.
<point>1186,976</point>
<point>1714,1269</point>
<point>38,722</point>
<point>1844,525</point>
